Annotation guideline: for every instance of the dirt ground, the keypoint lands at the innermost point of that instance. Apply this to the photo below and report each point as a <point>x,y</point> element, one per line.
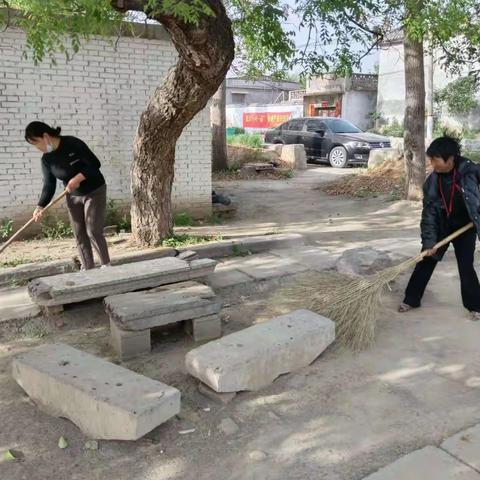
<point>341,418</point>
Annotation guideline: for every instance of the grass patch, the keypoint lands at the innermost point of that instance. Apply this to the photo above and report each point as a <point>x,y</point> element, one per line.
<point>185,240</point>
<point>183,220</point>
<point>6,228</point>
<point>240,251</point>
<point>246,140</point>
<point>56,229</point>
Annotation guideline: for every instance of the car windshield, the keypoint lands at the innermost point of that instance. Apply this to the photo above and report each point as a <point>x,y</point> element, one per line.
<point>342,126</point>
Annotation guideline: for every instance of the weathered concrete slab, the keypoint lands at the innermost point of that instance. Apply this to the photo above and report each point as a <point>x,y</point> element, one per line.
<point>29,271</point>
<point>142,255</point>
<point>227,275</point>
<point>266,266</point>
<point>98,283</point>
<point>315,258</point>
<point>129,343</point>
<point>465,446</point>
<point>294,155</point>
<point>204,328</point>
<point>16,304</point>
<point>427,463</point>
<point>254,357</point>
<point>104,400</point>
<point>162,305</point>
<point>363,261</point>
<point>255,244</point>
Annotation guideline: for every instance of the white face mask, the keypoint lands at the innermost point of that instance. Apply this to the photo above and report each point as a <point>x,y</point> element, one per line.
<point>49,147</point>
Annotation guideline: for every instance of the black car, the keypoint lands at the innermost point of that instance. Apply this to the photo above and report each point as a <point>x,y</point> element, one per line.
<point>328,139</point>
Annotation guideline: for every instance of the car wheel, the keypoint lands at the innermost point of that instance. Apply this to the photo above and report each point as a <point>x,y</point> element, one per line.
<point>338,157</point>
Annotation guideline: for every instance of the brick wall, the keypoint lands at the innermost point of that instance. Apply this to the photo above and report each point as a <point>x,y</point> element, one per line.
<point>98,96</point>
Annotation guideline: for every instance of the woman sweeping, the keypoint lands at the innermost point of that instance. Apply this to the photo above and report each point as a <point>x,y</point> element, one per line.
<point>70,160</point>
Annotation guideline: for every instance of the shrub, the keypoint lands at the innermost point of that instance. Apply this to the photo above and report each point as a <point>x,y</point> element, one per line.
<point>247,140</point>
<point>56,229</point>
<point>6,228</point>
<point>183,220</point>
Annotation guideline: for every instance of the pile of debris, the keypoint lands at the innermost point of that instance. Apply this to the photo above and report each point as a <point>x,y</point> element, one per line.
<point>386,179</point>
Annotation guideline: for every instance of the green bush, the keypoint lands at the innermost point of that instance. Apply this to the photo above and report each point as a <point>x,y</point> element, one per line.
<point>247,140</point>
<point>184,240</point>
<point>56,229</point>
<point>6,228</point>
<point>394,129</point>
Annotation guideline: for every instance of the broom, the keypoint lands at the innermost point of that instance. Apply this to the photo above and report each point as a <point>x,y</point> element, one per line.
<point>51,204</point>
<point>352,303</point>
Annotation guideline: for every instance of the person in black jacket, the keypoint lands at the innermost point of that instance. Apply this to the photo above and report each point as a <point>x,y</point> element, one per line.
<point>451,199</point>
<point>71,161</point>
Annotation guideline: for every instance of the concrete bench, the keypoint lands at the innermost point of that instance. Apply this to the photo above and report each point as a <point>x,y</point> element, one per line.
<point>101,282</point>
<point>133,315</point>
<point>254,357</point>
<point>104,400</point>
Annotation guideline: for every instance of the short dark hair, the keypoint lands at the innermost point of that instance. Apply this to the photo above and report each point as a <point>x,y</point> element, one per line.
<point>38,129</point>
<point>444,147</point>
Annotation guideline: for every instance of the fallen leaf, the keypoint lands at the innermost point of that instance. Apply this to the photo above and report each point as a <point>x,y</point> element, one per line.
<point>8,455</point>
<point>62,443</point>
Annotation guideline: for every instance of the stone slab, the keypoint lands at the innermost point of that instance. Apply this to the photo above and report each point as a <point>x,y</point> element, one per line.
<point>16,304</point>
<point>221,398</point>
<point>30,271</point>
<point>295,156</point>
<point>162,305</point>
<point>314,258</point>
<point>226,275</point>
<point>142,255</point>
<point>465,446</point>
<point>427,463</point>
<point>256,244</point>
<point>104,400</point>
<point>98,283</point>
<point>266,266</point>
<point>254,357</point>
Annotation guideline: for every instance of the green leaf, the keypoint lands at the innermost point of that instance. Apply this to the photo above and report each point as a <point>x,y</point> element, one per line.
<point>62,443</point>
<point>8,456</point>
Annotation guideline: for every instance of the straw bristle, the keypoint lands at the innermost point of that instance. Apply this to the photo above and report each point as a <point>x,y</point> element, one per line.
<point>351,302</point>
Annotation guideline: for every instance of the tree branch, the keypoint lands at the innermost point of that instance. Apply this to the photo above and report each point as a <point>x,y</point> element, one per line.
<point>125,5</point>
<point>8,20</point>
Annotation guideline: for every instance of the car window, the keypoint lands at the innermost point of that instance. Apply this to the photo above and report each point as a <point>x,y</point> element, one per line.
<point>337,125</point>
<point>283,126</point>
<point>314,125</point>
<point>295,125</point>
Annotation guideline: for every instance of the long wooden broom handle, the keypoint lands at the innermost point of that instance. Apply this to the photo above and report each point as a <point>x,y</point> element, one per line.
<point>448,239</point>
<point>50,205</point>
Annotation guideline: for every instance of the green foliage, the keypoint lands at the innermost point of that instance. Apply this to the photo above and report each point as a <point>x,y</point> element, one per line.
<point>185,240</point>
<point>183,220</point>
<point>115,216</point>
<point>240,251</point>
<point>247,140</point>
<point>474,156</point>
<point>190,11</point>
<point>459,96</point>
<point>56,229</point>
<point>394,129</point>
<point>6,228</point>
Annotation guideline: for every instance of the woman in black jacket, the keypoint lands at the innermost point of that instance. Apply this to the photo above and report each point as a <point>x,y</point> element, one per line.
<point>451,200</point>
<point>70,160</point>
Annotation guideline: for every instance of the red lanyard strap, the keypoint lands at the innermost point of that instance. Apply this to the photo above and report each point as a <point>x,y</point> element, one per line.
<point>455,186</point>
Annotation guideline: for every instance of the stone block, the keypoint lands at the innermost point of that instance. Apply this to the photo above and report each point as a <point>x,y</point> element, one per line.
<point>98,283</point>
<point>204,328</point>
<point>427,463</point>
<point>128,343</point>
<point>104,400</point>
<point>162,305</point>
<point>294,156</point>
<point>35,270</point>
<point>465,446</point>
<point>314,258</point>
<point>363,261</point>
<point>254,357</point>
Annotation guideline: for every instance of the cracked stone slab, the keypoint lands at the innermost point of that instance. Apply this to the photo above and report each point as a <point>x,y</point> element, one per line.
<point>465,446</point>
<point>104,400</point>
<point>314,258</point>
<point>162,305</point>
<point>252,358</point>
<point>102,282</point>
<point>427,463</point>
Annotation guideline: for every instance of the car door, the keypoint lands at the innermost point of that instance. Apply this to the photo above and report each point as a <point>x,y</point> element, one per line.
<point>293,132</point>
<point>312,139</point>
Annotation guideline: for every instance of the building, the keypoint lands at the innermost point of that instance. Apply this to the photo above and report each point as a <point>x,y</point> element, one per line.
<point>391,86</point>
<point>352,98</point>
<point>243,91</point>
<point>98,96</point>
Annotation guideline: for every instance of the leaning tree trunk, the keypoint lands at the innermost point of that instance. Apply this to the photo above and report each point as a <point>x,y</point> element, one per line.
<point>205,52</point>
<point>219,123</point>
<point>414,137</point>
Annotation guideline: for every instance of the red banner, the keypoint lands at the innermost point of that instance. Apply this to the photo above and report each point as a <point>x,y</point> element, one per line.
<point>265,119</point>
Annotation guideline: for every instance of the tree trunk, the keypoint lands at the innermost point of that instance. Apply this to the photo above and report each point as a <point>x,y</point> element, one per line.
<point>414,137</point>
<point>219,123</point>
<point>206,52</point>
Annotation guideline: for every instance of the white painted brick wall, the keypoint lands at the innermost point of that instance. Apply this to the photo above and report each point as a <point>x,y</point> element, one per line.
<point>98,96</point>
